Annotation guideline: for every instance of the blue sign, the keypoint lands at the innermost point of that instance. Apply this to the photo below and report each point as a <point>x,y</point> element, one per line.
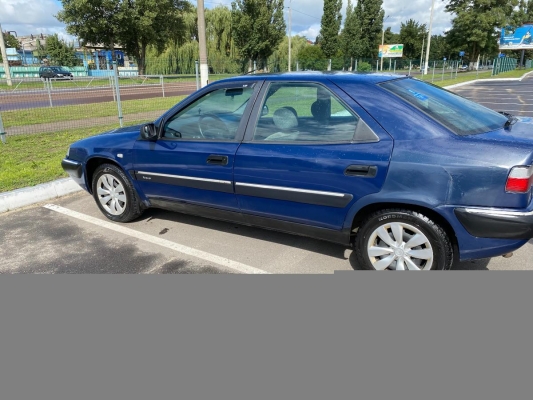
<point>501,55</point>
<point>461,54</point>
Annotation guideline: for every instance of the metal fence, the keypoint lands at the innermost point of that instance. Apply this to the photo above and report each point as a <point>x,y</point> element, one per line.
<point>33,106</point>
<point>504,64</point>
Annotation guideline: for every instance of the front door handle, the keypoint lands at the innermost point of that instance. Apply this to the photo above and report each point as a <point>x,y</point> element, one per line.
<point>217,160</point>
<point>367,171</point>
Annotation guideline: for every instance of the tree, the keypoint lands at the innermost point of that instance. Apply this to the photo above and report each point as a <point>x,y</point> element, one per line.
<point>280,58</point>
<point>95,22</point>
<point>60,53</point>
<point>258,28</point>
<point>390,37</point>
<point>412,35</point>
<point>351,33</point>
<point>312,58</point>
<point>11,41</point>
<point>134,24</point>
<point>330,26</point>
<point>370,15</point>
<point>474,28</point>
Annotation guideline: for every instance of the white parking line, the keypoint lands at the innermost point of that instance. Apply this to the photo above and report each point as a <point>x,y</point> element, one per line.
<point>225,262</point>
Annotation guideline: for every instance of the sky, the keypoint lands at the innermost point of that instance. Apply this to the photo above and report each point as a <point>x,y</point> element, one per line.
<point>37,16</point>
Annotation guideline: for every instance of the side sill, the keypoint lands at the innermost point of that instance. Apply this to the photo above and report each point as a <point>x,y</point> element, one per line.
<point>329,235</point>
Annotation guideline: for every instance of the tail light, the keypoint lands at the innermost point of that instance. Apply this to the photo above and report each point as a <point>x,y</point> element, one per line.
<point>519,180</point>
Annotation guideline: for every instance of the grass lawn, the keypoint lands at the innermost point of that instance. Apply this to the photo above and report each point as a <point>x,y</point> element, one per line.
<point>43,115</point>
<point>28,160</point>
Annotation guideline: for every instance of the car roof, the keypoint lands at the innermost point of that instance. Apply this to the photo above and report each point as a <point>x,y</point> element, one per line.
<point>306,76</point>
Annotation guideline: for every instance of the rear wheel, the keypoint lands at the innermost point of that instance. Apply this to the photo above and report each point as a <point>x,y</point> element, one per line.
<point>396,239</point>
<point>114,194</point>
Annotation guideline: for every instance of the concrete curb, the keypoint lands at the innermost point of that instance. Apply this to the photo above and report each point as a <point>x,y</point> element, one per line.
<point>488,80</point>
<point>24,197</point>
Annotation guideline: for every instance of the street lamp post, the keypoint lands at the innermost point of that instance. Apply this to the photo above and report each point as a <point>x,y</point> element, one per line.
<point>290,27</point>
<point>422,53</point>
<point>383,40</point>
<point>4,58</point>
<point>429,37</point>
<point>204,69</point>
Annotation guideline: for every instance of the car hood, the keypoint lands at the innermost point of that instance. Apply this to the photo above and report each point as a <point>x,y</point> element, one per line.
<point>127,129</point>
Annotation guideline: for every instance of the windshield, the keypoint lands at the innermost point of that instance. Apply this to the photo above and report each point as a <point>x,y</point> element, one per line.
<point>461,116</point>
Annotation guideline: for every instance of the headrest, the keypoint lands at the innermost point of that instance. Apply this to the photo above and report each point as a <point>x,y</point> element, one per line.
<point>285,118</point>
<point>321,110</point>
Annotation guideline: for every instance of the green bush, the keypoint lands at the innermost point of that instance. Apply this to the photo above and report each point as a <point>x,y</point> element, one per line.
<point>363,66</point>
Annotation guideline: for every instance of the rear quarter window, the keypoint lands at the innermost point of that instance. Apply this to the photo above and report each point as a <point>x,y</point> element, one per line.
<point>461,116</point>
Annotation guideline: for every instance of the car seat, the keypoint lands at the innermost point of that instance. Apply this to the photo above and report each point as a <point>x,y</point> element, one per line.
<point>286,121</point>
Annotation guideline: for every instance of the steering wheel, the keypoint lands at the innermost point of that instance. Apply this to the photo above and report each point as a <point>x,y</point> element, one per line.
<point>220,127</point>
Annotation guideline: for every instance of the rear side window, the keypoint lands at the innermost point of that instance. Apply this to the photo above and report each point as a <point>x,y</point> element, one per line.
<point>461,116</point>
<point>295,112</point>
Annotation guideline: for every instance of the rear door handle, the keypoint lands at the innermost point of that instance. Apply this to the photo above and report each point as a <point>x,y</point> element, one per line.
<point>367,171</point>
<point>217,160</point>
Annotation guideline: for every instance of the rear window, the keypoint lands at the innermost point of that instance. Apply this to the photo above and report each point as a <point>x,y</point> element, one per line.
<point>458,114</point>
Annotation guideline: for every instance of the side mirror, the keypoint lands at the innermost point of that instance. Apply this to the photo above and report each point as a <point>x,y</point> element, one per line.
<point>148,132</point>
<point>265,110</point>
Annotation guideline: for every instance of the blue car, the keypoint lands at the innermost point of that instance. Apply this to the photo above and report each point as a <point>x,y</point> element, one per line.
<point>413,177</point>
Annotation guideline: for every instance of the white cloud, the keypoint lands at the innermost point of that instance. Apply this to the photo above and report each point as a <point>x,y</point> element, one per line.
<point>37,16</point>
<point>310,33</point>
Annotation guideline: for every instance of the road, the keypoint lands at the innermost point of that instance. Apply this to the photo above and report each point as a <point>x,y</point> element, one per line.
<point>62,97</point>
<point>74,237</point>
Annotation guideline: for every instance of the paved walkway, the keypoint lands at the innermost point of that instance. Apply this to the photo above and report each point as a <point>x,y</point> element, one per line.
<point>81,123</point>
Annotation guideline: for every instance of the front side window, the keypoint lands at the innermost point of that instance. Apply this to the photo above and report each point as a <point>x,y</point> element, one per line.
<point>304,113</point>
<point>461,116</point>
<point>214,116</point>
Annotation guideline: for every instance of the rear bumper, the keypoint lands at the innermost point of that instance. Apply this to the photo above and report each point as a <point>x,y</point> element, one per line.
<point>496,223</point>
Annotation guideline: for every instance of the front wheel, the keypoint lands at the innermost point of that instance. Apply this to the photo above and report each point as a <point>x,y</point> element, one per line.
<point>402,240</point>
<point>114,194</point>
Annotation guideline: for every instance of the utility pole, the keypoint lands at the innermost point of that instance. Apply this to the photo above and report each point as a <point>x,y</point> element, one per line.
<point>383,40</point>
<point>429,37</point>
<point>204,70</point>
<point>422,54</point>
<point>4,58</point>
<point>290,28</point>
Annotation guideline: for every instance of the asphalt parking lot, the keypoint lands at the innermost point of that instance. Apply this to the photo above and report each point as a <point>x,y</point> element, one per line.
<point>72,236</point>
<point>515,97</point>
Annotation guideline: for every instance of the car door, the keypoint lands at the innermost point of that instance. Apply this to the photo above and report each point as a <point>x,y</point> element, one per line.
<point>310,157</point>
<point>192,159</point>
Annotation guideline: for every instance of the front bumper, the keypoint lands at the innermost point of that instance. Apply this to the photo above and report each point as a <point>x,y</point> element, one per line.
<point>73,168</point>
<point>496,223</point>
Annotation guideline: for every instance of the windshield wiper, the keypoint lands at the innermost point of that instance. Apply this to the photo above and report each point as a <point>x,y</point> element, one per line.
<point>511,119</point>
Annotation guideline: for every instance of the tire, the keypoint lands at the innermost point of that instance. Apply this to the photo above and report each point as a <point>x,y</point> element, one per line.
<point>421,244</point>
<point>114,194</point>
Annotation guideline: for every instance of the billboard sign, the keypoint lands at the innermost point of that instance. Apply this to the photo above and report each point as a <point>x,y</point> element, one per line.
<point>391,50</point>
<point>516,38</point>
